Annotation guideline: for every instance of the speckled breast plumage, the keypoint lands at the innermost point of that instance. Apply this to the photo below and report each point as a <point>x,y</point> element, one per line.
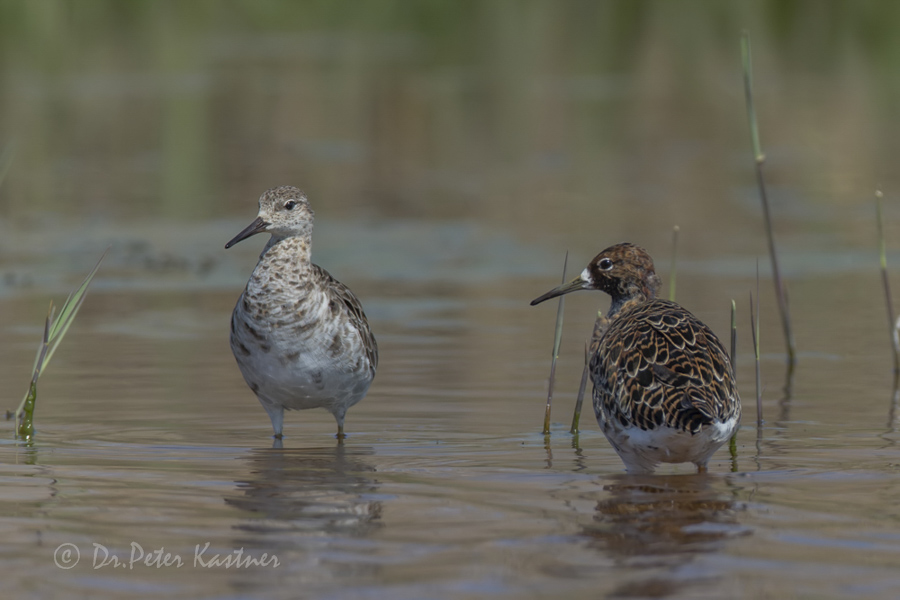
<point>300,337</point>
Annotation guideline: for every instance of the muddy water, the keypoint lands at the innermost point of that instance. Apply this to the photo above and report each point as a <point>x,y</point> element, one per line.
<point>453,154</point>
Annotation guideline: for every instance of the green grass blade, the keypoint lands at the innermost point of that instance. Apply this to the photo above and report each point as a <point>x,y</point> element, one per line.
<point>25,410</point>
<point>63,314</point>
<point>45,345</point>
<point>70,309</point>
<point>42,349</point>
<point>747,62</point>
<point>55,328</point>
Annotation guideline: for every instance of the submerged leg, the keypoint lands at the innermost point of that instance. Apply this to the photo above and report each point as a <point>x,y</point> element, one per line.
<point>276,414</point>
<point>339,417</point>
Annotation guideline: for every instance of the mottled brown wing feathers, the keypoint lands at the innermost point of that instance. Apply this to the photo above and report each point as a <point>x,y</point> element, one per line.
<point>346,300</point>
<point>658,365</point>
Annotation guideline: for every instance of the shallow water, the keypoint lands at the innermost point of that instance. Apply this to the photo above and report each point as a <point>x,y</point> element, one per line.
<point>451,168</point>
<point>149,440</point>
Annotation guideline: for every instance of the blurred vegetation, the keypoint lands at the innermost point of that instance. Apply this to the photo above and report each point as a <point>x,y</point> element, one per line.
<point>173,108</point>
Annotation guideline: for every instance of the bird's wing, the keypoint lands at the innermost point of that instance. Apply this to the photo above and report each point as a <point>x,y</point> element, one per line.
<point>341,298</point>
<point>659,365</point>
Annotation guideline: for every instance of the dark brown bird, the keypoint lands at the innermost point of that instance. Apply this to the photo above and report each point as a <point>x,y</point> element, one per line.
<point>664,387</point>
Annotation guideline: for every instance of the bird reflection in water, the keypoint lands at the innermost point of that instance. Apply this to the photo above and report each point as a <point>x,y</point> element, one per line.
<point>661,523</point>
<point>312,490</point>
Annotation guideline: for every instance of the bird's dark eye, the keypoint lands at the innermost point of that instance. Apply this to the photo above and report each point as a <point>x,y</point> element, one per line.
<point>290,204</point>
<point>605,264</point>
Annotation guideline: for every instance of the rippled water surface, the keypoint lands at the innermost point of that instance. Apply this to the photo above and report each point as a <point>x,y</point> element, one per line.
<point>453,153</point>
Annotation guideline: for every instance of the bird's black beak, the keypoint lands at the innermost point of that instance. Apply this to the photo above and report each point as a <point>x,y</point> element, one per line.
<point>257,226</point>
<point>576,284</point>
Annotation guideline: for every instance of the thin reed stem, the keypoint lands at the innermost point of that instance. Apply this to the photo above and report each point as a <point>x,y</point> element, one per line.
<point>734,337</point>
<point>672,273</point>
<point>885,280</point>
<point>759,159</point>
<point>557,339</point>
<point>732,443</point>
<point>754,329</point>
<point>600,327</point>
<point>576,416</point>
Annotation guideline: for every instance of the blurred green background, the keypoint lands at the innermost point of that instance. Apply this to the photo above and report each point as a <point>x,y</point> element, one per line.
<point>545,116</point>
